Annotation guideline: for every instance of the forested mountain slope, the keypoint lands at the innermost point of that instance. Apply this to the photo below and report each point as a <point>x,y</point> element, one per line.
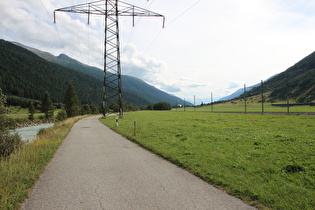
<point>130,85</point>
<point>297,82</point>
<point>24,74</point>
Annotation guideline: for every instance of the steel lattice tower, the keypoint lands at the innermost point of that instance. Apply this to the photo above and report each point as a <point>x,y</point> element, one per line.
<point>111,9</point>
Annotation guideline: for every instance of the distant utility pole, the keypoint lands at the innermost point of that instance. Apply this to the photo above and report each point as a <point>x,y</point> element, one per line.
<point>184,105</point>
<point>288,98</point>
<point>111,9</point>
<point>194,103</point>
<point>245,99</point>
<point>262,97</point>
<point>211,102</point>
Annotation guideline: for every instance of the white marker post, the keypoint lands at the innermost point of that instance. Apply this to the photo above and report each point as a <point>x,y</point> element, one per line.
<point>116,121</point>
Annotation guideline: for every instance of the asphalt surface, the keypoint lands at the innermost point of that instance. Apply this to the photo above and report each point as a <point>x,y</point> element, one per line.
<point>95,168</point>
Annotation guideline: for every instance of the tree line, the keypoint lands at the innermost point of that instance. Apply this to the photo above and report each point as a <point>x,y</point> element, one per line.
<point>73,108</point>
<point>157,106</point>
<point>70,108</point>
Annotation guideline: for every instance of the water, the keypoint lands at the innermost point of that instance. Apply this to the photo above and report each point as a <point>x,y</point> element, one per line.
<point>30,133</point>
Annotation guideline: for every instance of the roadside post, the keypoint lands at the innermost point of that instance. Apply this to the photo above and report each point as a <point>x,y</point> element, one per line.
<point>116,121</point>
<point>134,128</point>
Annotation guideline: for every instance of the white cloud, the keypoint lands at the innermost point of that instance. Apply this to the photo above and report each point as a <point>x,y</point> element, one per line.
<point>141,66</point>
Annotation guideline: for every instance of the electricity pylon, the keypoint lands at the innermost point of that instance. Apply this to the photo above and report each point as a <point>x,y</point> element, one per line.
<point>111,9</point>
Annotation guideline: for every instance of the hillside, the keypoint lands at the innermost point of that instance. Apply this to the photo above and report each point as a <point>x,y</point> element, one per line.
<point>297,82</point>
<point>130,85</point>
<point>24,74</point>
<point>240,91</point>
<point>237,93</point>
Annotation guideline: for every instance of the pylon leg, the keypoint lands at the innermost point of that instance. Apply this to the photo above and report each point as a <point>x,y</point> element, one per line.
<point>112,68</point>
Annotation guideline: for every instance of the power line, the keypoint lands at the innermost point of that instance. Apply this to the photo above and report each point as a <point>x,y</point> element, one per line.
<point>150,45</point>
<point>150,4</point>
<point>54,25</point>
<point>135,27</point>
<point>176,18</point>
<point>189,8</point>
<point>45,8</point>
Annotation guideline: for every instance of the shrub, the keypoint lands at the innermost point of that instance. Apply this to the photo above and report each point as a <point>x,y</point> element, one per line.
<point>41,131</point>
<point>62,115</point>
<point>11,123</point>
<point>8,143</point>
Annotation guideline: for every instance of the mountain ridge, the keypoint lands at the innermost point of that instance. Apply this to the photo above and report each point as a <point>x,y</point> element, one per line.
<point>296,83</point>
<point>130,84</point>
<point>240,91</point>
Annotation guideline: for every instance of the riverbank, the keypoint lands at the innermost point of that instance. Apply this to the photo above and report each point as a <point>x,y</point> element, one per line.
<point>22,168</point>
<point>33,123</point>
<point>29,133</point>
<point>15,123</point>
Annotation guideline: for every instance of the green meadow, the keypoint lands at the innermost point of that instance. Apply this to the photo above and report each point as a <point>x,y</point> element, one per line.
<point>239,106</point>
<point>18,112</point>
<point>266,160</point>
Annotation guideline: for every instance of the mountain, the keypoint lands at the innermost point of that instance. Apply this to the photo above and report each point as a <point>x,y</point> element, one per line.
<point>66,61</point>
<point>24,74</point>
<point>67,58</point>
<point>240,91</point>
<point>237,93</point>
<point>297,82</point>
<point>130,85</point>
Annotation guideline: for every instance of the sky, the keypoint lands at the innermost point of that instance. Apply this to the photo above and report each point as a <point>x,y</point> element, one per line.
<point>206,46</point>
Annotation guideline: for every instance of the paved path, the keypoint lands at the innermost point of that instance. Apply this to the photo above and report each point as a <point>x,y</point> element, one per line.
<point>95,168</point>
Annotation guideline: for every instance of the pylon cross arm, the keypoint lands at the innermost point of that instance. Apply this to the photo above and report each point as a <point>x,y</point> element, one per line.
<point>99,8</point>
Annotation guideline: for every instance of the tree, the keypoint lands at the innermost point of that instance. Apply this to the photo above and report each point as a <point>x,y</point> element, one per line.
<point>4,120</point>
<point>47,106</point>
<point>150,107</point>
<point>95,109</point>
<point>115,107</point>
<point>86,109</point>
<point>71,101</point>
<point>31,112</point>
<point>162,106</point>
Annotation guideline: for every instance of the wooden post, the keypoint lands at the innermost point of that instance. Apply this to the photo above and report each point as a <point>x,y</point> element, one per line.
<point>245,99</point>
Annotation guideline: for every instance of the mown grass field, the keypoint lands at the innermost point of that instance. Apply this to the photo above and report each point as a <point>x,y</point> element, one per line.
<point>267,160</point>
<point>239,106</point>
<point>18,112</point>
<point>20,171</point>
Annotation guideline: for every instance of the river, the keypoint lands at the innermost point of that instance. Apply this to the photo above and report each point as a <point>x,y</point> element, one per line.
<point>30,133</point>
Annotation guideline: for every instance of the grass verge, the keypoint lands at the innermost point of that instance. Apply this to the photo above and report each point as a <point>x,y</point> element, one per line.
<point>20,171</point>
<point>266,160</point>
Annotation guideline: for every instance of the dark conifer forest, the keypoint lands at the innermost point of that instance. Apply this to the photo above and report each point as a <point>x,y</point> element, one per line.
<point>26,75</point>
